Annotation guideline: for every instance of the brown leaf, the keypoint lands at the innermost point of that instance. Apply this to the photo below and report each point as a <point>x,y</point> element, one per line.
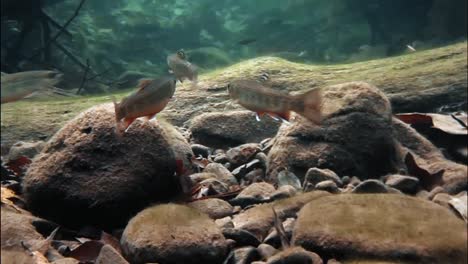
<point>454,125</point>
<point>87,252</point>
<point>111,241</point>
<point>428,181</point>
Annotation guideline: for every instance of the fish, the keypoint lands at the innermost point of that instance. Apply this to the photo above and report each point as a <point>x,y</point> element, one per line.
<point>181,67</point>
<point>410,48</point>
<point>247,41</point>
<point>261,99</point>
<point>17,86</point>
<point>151,98</point>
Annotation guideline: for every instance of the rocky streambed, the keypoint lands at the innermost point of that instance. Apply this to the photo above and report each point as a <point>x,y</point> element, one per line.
<point>206,184</point>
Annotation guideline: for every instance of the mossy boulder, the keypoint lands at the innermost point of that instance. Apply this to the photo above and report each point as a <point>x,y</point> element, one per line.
<point>88,174</point>
<point>381,227</point>
<point>171,233</point>
<point>260,219</point>
<point>355,137</point>
<point>229,129</point>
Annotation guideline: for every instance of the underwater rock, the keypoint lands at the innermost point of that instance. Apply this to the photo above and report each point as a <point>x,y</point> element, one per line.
<point>228,129</point>
<point>242,237</point>
<point>371,186</point>
<point>243,255</point>
<point>27,149</point>
<point>173,233</point>
<point>328,186</point>
<point>266,250</point>
<point>242,154</point>
<point>260,219</point>
<point>381,226</point>
<point>355,137</point>
<point>274,239</point>
<point>108,255</point>
<point>316,175</point>
<point>255,193</point>
<point>225,222</point>
<point>17,227</point>
<point>221,173</point>
<point>200,150</point>
<point>427,156</point>
<point>295,255</point>
<point>213,207</point>
<point>406,184</point>
<point>284,191</point>
<point>87,174</point>
<point>287,178</point>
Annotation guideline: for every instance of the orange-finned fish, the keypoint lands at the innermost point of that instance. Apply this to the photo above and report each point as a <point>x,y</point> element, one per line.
<point>181,67</point>
<point>17,86</point>
<point>150,98</point>
<point>257,97</point>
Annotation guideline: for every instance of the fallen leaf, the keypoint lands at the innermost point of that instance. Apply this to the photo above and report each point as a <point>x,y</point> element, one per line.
<point>107,238</point>
<point>450,124</point>
<point>460,205</point>
<point>428,181</point>
<point>86,252</point>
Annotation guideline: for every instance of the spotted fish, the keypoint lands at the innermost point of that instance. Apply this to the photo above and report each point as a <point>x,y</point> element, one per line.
<point>181,67</point>
<point>261,99</point>
<point>151,98</point>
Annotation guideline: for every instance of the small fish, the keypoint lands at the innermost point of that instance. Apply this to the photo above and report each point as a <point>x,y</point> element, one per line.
<point>17,86</point>
<point>181,67</point>
<point>410,48</point>
<point>264,100</point>
<point>247,41</point>
<point>151,98</point>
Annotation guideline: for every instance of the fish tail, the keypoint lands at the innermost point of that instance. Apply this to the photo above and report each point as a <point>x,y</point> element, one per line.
<point>309,105</point>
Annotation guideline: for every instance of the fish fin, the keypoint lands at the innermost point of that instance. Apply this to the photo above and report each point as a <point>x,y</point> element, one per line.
<point>312,105</point>
<point>257,117</point>
<point>283,116</point>
<point>150,116</point>
<point>143,83</point>
<point>127,123</point>
<point>274,117</point>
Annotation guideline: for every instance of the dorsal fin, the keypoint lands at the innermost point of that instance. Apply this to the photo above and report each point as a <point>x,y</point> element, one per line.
<point>142,83</point>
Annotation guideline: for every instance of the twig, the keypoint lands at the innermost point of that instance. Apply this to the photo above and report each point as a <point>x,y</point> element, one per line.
<point>83,80</point>
<point>54,38</point>
<point>55,24</point>
<point>98,74</point>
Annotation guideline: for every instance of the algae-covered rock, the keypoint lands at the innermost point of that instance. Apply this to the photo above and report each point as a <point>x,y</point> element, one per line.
<point>228,129</point>
<point>87,174</point>
<point>381,227</point>
<point>355,137</point>
<point>173,233</point>
<point>259,219</point>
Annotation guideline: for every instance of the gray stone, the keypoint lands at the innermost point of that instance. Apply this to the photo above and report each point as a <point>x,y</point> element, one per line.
<point>371,186</point>
<point>316,175</point>
<point>171,233</point>
<point>329,186</point>
<point>406,184</point>
<point>213,207</point>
